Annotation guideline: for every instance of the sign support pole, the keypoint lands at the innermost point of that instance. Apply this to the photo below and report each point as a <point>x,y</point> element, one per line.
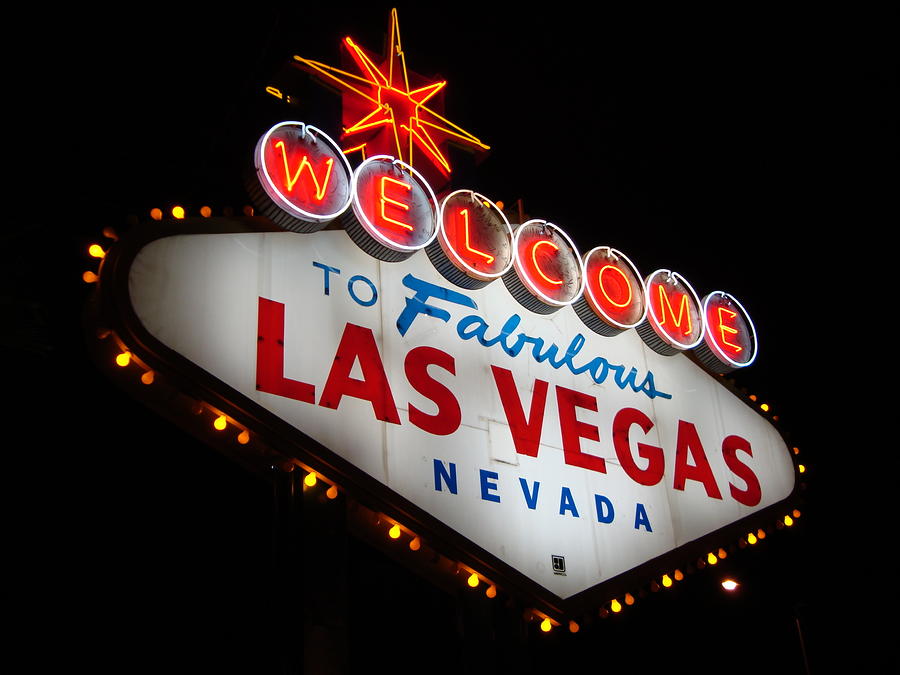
<point>287,551</point>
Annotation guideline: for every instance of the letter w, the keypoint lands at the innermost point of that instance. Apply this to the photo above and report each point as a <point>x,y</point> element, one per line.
<point>291,181</point>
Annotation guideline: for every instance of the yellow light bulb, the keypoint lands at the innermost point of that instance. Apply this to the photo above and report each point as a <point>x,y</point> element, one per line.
<point>178,212</point>
<point>788,521</point>
<point>615,606</point>
<point>220,423</point>
<point>473,580</point>
<point>96,250</point>
<point>751,538</point>
<point>310,479</point>
<point>394,532</point>
<point>801,468</point>
<point>764,407</point>
<point>666,580</point>
<point>546,625</point>
<point>123,359</point>
<point>243,437</point>
<point>712,559</point>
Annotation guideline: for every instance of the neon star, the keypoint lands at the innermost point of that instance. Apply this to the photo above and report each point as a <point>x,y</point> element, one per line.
<point>383,109</point>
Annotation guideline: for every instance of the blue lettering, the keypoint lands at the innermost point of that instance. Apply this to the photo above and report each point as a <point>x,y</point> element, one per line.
<point>530,496</point>
<point>566,503</point>
<point>488,484</point>
<point>640,518</point>
<point>364,303</point>
<point>423,291</point>
<point>474,326</point>
<point>440,473</point>
<point>326,269</point>
<point>605,510</point>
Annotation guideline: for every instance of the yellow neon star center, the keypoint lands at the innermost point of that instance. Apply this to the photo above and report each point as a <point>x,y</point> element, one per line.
<point>392,105</point>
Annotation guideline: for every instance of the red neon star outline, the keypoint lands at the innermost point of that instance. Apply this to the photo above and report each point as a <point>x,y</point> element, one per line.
<point>393,104</point>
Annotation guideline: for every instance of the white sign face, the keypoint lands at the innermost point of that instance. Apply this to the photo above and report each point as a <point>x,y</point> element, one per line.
<point>530,435</point>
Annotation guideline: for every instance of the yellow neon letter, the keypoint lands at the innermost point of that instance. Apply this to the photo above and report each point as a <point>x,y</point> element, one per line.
<point>538,267</point>
<point>682,309</point>
<point>487,256</point>
<point>387,200</point>
<point>627,283</point>
<point>727,329</point>
<point>320,190</point>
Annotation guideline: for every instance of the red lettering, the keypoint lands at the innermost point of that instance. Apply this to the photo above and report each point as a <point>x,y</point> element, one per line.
<point>656,463</point>
<point>526,433</point>
<point>688,441</point>
<point>270,356</point>
<point>358,343</point>
<point>752,495</point>
<point>573,430</point>
<point>448,417</point>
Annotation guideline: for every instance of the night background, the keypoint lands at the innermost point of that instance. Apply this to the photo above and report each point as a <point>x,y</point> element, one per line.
<point>752,152</point>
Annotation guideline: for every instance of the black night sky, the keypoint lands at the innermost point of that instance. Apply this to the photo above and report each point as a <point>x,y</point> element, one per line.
<point>751,151</point>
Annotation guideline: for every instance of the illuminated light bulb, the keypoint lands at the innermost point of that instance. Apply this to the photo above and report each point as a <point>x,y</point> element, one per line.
<point>147,378</point>
<point>629,599</point>
<point>394,532</point>
<point>729,584</point>
<point>722,553</point>
<point>752,397</point>
<point>472,580</point>
<point>796,450</point>
<point>751,539</point>
<point>178,212</point>
<point>332,493</point>
<point>415,544</point>
<point>764,407</point>
<point>574,627</point>
<point>788,521</point>
<point>615,606</point>
<point>679,575</point>
<point>666,580</point>
<point>156,214</point>
<point>205,211</point>
<point>801,468</point>
<point>123,359</point>
<point>310,480</point>
<point>220,423</point>
<point>491,591</point>
<point>761,533</point>
<point>96,250</point>
<point>243,437</point>
<point>546,625</point>
<point>89,277</point>
<point>500,205</point>
<point>248,210</point>
<point>712,559</point>
<point>796,513</point>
